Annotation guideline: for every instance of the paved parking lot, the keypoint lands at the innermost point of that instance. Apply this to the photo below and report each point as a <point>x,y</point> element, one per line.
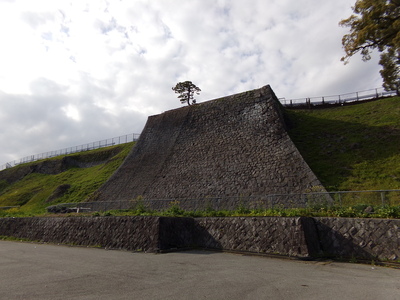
<point>38,271</point>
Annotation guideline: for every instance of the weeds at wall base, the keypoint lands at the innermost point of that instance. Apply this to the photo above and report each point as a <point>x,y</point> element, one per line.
<point>16,239</point>
<point>174,210</point>
<point>359,211</point>
<point>373,262</point>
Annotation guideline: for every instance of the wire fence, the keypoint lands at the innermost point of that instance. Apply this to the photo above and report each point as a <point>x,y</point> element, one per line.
<point>123,139</point>
<point>306,200</point>
<point>338,99</point>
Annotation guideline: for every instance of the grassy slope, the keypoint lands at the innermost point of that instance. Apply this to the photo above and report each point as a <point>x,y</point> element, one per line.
<point>34,189</point>
<point>351,147</point>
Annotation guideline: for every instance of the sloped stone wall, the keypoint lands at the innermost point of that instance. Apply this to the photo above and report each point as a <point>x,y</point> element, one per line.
<point>233,146</point>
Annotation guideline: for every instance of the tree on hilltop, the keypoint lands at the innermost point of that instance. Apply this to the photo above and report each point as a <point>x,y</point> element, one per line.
<point>186,91</point>
<point>376,25</point>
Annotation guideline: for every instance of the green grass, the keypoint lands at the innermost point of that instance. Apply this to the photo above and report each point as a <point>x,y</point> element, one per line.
<point>351,147</point>
<point>174,210</point>
<point>33,190</point>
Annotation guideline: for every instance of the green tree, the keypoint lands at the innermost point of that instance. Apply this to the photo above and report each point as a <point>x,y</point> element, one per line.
<point>375,24</point>
<point>186,91</point>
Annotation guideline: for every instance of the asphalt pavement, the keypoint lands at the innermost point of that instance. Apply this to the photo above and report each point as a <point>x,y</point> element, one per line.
<point>42,271</point>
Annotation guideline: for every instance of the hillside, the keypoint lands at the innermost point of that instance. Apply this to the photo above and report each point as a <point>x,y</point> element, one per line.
<point>62,179</point>
<point>353,147</point>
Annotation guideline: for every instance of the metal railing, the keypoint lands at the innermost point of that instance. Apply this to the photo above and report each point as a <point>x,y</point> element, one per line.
<point>338,99</point>
<point>317,199</point>
<point>123,139</point>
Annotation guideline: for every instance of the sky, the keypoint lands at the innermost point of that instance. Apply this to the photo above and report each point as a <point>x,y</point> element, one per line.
<point>76,71</point>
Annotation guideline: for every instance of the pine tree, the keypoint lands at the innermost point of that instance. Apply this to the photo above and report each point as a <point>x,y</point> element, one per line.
<point>186,91</point>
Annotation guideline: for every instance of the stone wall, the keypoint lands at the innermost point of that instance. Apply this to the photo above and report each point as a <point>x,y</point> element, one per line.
<point>275,235</point>
<point>361,238</point>
<point>139,233</point>
<point>293,236</point>
<point>233,146</point>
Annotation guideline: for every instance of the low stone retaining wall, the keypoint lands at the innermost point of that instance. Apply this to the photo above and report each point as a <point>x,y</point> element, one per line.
<point>275,235</point>
<point>297,236</point>
<point>138,233</point>
<point>359,238</point>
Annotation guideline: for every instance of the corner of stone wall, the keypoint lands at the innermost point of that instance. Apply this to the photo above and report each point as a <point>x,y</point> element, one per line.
<point>309,229</point>
<point>175,233</point>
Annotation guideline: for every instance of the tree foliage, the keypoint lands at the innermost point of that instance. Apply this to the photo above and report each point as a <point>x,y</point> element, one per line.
<point>375,24</point>
<point>186,91</point>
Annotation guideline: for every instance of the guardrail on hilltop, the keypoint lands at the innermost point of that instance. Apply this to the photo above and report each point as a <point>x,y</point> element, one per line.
<point>123,139</point>
<point>338,99</point>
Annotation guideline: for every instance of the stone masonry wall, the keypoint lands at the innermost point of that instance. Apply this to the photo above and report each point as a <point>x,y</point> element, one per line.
<point>275,235</point>
<point>236,145</point>
<point>299,237</point>
<point>128,233</point>
<point>361,238</point>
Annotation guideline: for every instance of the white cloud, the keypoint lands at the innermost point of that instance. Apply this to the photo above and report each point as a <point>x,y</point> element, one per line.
<point>77,71</point>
